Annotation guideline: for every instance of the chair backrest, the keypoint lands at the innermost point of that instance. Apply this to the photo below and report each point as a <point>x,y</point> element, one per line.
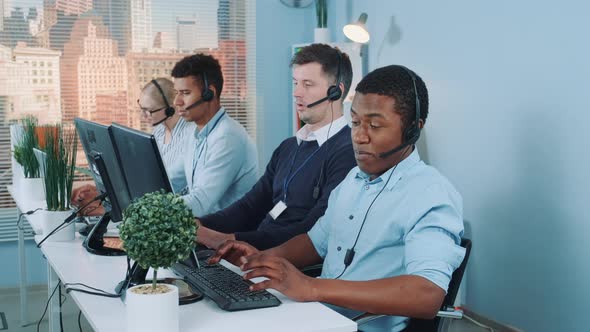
<point>432,325</point>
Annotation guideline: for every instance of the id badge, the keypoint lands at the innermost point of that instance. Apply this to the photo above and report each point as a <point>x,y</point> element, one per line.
<point>277,210</point>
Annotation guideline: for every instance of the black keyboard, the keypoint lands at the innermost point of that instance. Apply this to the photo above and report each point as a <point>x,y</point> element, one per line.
<point>226,288</point>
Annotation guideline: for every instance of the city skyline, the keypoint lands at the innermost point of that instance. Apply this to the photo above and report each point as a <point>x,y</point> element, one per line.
<point>164,12</point>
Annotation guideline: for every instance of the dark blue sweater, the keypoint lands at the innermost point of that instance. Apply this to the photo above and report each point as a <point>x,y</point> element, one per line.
<point>248,217</point>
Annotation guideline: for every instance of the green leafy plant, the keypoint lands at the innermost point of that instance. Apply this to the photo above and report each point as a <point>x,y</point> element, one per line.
<point>23,149</point>
<point>321,11</point>
<point>158,230</point>
<point>61,145</point>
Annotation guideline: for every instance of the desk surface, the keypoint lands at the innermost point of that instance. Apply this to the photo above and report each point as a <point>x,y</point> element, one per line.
<point>73,264</point>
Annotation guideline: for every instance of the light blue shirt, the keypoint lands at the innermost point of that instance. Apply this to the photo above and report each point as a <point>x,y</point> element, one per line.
<point>221,165</point>
<point>173,152</point>
<point>413,228</point>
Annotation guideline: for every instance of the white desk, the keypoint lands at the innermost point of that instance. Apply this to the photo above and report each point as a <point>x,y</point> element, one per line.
<point>71,263</point>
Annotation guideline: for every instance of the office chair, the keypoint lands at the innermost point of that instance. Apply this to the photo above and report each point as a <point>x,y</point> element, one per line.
<point>415,324</point>
<point>432,325</point>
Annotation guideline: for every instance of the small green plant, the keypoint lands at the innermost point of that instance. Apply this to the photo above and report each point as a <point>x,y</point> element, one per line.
<point>23,148</point>
<point>158,230</point>
<point>321,11</point>
<point>61,145</point>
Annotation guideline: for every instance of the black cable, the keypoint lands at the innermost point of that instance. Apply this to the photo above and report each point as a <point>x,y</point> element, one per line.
<point>47,305</point>
<point>71,218</point>
<point>79,323</point>
<point>316,189</point>
<point>20,218</point>
<point>350,252</point>
<point>97,291</point>
<point>61,322</point>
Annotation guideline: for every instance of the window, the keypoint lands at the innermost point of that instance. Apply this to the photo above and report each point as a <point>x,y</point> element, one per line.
<point>112,56</point>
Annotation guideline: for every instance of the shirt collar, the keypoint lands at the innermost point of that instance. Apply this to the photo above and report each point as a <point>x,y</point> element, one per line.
<point>206,130</point>
<point>401,168</point>
<point>320,135</point>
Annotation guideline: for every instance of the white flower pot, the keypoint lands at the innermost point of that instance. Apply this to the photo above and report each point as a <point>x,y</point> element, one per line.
<point>53,219</point>
<point>321,35</point>
<point>31,188</point>
<point>152,312</point>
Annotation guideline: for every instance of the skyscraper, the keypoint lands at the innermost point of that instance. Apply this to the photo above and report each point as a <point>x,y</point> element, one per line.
<point>129,22</point>
<point>90,67</point>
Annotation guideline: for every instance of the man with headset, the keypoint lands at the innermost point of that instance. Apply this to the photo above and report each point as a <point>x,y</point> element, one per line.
<point>392,230</point>
<point>170,130</point>
<point>293,192</point>
<point>220,162</point>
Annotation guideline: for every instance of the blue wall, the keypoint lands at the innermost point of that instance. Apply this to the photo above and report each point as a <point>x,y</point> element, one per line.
<point>508,82</point>
<point>36,265</point>
<point>277,28</point>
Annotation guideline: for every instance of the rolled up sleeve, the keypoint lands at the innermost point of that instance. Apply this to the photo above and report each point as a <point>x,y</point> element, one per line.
<point>433,248</point>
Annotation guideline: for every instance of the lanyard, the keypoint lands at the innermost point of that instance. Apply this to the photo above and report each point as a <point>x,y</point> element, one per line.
<point>290,177</point>
<point>196,161</point>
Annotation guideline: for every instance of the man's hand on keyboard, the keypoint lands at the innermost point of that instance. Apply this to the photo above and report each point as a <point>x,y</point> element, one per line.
<point>232,251</point>
<point>281,274</point>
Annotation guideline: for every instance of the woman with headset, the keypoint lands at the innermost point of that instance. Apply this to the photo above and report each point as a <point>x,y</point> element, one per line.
<point>170,130</point>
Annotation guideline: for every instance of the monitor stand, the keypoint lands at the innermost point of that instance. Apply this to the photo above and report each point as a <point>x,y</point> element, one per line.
<point>94,242</point>
<point>135,277</point>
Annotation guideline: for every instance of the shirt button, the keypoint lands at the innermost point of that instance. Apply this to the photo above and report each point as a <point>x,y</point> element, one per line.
<point>339,248</point>
<point>367,187</point>
<point>351,217</point>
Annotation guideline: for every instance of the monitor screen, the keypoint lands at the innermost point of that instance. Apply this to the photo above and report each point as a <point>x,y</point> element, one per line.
<point>140,161</point>
<point>104,166</point>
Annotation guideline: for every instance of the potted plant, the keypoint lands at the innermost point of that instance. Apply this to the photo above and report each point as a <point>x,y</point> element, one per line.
<point>25,142</point>
<point>321,33</point>
<point>58,164</point>
<point>158,230</point>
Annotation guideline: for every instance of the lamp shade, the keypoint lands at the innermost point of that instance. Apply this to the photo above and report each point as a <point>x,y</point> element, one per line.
<point>357,32</point>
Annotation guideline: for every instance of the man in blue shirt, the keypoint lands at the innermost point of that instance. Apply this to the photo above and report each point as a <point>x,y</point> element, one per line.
<point>293,192</point>
<point>220,162</point>
<point>390,237</point>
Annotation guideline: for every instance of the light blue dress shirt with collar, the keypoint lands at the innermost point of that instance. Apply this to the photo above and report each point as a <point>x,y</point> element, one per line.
<point>413,228</point>
<point>173,152</point>
<point>221,165</point>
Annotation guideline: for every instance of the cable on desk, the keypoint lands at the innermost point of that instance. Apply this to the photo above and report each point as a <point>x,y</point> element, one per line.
<point>20,218</point>
<point>96,291</point>
<point>47,305</point>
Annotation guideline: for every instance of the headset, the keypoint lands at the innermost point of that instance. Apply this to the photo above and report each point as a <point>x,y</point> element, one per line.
<point>334,92</point>
<point>169,111</point>
<point>411,133</point>
<point>206,95</point>
<point>410,136</point>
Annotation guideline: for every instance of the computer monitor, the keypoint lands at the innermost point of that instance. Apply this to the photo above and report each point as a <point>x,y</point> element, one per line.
<point>109,179</point>
<point>96,141</point>
<point>143,168</point>
<point>140,160</point>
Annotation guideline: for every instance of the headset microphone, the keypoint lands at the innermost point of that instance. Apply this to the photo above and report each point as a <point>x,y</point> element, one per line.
<point>206,95</point>
<point>334,92</point>
<point>396,149</point>
<point>195,104</point>
<point>412,133</point>
<point>168,110</point>
<point>315,103</point>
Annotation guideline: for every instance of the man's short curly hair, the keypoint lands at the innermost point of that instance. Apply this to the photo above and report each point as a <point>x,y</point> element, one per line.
<point>197,64</point>
<point>394,81</point>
